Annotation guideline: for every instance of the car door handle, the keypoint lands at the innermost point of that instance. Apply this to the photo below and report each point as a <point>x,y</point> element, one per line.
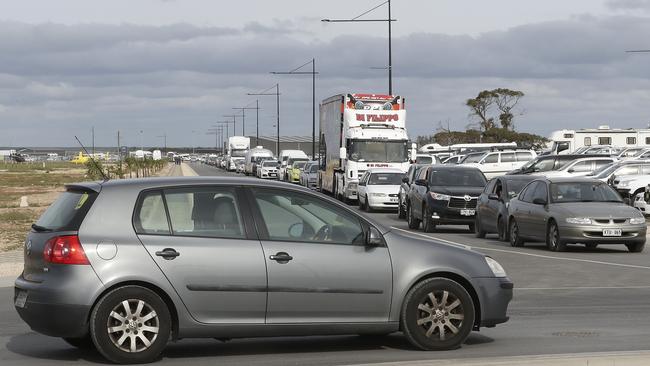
<point>168,253</point>
<point>281,257</point>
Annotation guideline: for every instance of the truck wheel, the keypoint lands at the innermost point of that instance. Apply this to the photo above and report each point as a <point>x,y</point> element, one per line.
<point>413,223</point>
<point>438,314</point>
<point>130,324</point>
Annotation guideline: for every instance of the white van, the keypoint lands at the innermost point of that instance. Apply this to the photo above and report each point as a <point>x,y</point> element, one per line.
<point>285,156</point>
<point>255,156</point>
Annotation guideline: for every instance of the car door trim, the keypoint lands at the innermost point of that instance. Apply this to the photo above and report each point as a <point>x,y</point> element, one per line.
<point>322,290</point>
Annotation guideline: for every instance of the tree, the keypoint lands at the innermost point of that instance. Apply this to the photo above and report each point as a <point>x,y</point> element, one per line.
<point>506,100</point>
<point>480,107</point>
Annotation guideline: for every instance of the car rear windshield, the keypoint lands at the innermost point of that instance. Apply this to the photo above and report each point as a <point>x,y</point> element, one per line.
<point>393,179</point>
<point>67,212</point>
<point>583,192</point>
<point>457,178</point>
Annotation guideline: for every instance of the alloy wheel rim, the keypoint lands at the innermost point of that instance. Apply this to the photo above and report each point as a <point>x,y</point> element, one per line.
<point>133,325</point>
<point>553,236</point>
<point>513,233</point>
<point>439,314</point>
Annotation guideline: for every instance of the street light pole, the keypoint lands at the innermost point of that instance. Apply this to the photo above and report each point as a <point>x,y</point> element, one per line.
<point>277,99</point>
<point>389,20</point>
<point>243,114</point>
<point>313,96</point>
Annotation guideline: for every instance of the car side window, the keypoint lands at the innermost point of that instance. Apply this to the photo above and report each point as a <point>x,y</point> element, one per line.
<point>422,174</point>
<point>583,166</point>
<point>540,192</point>
<point>527,194</point>
<point>524,156</point>
<point>150,217</point>
<point>491,158</point>
<point>205,211</point>
<point>489,188</point>
<point>646,169</point>
<point>507,157</point>
<point>601,163</point>
<point>297,217</point>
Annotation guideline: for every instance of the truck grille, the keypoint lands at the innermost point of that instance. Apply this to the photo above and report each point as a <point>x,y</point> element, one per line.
<point>459,202</point>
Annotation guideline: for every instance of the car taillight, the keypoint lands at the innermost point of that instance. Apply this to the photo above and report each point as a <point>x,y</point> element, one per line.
<point>64,250</point>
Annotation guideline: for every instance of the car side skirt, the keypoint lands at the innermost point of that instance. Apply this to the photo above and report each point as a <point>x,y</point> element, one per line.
<point>285,330</point>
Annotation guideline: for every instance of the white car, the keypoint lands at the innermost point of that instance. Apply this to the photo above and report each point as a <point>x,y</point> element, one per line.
<point>621,169</point>
<point>579,167</point>
<point>497,163</point>
<point>379,188</point>
<point>629,186</point>
<point>268,169</point>
<point>641,204</point>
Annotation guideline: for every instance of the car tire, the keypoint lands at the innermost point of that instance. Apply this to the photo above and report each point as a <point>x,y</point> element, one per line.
<point>478,231</point>
<point>85,343</point>
<point>413,223</point>
<point>367,205</point>
<point>635,247</point>
<point>428,328</point>
<point>553,238</point>
<point>428,226</point>
<point>401,212</point>
<point>112,334</point>
<point>501,230</point>
<point>515,239</point>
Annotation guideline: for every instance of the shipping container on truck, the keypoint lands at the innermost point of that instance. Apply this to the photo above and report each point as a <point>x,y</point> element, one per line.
<point>359,132</point>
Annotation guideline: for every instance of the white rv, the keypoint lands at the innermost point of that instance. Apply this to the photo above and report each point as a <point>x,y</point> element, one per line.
<point>237,148</point>
<point>568,141</point>
<point>255,156</point>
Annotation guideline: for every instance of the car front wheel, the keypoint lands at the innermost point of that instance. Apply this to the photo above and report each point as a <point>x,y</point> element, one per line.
<point>553,239</point>
<point>401,212</point>
<point>427,221</point>
<point>130,324</point>
<point>438,314</point>
<point>635,247</point>
<point>413,223</point>
<point>478,230</point>
<point>515,239</point>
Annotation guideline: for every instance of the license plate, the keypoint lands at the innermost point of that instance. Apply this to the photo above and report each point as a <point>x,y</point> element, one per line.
<point>21,299</point>
<point>393,199</point>
<point>272,174</point>
<point>467,212</point>
<point>612,232</point>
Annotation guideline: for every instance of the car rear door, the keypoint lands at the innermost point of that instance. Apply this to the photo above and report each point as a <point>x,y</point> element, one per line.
<point>319,269</point>
<point>203,240</point>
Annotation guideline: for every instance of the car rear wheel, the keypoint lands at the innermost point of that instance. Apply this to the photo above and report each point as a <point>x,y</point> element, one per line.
<point>438,314</point>
<point>413,223</point>
<point>130,324</point>
<point>427,221</point>
<point>515,239</point>
<point>635,247</point>
<point>553,239</point>
<point>478,231</point>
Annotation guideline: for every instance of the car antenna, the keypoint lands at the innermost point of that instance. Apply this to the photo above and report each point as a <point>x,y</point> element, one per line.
<point>101,171</point>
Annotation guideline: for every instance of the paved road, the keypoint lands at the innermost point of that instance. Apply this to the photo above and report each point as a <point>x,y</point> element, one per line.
<point>574,302</point>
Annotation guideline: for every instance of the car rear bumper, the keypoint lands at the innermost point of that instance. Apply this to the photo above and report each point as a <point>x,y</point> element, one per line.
<point>494,295</point>
<point>594,234</point>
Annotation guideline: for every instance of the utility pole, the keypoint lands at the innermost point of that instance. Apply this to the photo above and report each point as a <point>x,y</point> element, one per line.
<point>93,133</point>
<point>243,114</point>
<point>277,101</point>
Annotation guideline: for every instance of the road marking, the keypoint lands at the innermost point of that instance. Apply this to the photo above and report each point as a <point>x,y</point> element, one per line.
<point>528,254</point>
<point>583,288</point>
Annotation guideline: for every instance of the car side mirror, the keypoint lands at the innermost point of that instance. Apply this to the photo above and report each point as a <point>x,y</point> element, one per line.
<point>374,238</point>
<point>571,170</point>
<point>493,196</point>
<point>539,201</point>
<point>405,179</point>
<point>421,182</point>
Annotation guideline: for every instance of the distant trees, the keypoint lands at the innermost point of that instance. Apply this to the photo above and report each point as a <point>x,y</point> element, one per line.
<point>486,108</point>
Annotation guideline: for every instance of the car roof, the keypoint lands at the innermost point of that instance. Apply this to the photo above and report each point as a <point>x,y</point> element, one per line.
<point>385,170</point>
<point>571,180</point>
<point>523,177</point>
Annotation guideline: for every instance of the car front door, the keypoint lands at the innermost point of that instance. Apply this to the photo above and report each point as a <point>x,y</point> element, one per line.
<point>485,206</point>
<point>539,212</point>
<point>523,210</point>
<point>490,165</point>
<point>319,268</point>
<point>202,239</point>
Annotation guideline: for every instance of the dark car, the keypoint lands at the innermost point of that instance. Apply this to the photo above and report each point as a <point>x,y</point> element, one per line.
<point>444,194</point>
<point>492,208</point>
<point>405,187</point>
<point>546,163</point>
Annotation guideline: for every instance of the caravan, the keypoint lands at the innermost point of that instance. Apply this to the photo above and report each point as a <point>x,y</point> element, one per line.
<point>568,141</point>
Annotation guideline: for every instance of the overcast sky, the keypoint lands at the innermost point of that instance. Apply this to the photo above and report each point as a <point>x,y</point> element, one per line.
<point>176,66</point>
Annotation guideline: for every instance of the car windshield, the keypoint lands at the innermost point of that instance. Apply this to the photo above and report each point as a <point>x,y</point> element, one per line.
<point>299,164</point>
<point>313,168</point>
<point>457,178</point>
<point>393,179</point>
<point>605,171</point>
<point>583,192</point>
<point>378,151</point>
<point>269,164</point>
<point>514,186</point>
<point>539,165</point>
<point>472,158</point>
<point>423,160</point>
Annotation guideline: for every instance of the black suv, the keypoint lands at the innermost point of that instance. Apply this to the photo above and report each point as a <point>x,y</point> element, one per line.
<point>444,194</point>
<point>545,163</point>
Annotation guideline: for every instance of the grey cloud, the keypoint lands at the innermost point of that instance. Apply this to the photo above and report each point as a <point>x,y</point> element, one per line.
<point>629,4</point>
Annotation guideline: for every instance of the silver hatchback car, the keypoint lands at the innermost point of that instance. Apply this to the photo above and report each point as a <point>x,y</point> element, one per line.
<point>126,266</point>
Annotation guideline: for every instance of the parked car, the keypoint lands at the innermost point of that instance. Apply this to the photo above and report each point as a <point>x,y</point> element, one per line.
<point>128,265</point>
<point>623,168</point>
<point>379,188</point>
<point>628,186</point>
<point>492,208</point>
<point>579,167</point>
<point>453,159</point>
<point>268,169</point>
<point>545,163</point>
<point>559,211</point>
<point>641,203</point>
<point>309,175</point>
<point>404,188</point>
<point>630,152</point>
<point>444,194</point>
<point>497,163</point>
<point>294,170</point>
<point>426,159</point>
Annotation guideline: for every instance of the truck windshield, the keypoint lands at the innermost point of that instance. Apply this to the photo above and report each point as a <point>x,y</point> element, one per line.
<point>238,153</point>
<point>378,151</point>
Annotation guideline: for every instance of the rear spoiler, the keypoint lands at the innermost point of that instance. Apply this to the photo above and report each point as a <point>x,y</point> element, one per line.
<point>84,186</point>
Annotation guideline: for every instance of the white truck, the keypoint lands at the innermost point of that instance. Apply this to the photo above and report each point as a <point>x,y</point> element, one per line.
<point>255,156</point>
<point>237,148</point>
<point>568,141</point>
<point>359,132</point>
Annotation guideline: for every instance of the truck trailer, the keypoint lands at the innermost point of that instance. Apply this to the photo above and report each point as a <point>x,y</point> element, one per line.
<point>359,132</point>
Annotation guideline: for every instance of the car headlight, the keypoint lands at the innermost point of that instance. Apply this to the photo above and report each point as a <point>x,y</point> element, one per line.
<point>637,220</point>
<point>440,196</point>
<point>378,194</point>
<point>352,186</point>
<point>623,184</point>
<point>496,268</point>
<point>578,220</point>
